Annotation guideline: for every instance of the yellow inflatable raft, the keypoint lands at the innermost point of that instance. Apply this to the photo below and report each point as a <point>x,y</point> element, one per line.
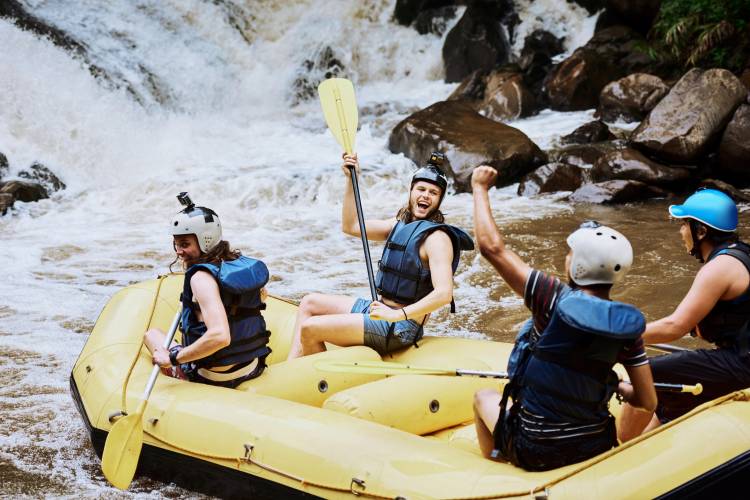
<point>297,431</point>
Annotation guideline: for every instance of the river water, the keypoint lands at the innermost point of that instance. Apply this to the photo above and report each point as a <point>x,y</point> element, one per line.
<point>213,107</point>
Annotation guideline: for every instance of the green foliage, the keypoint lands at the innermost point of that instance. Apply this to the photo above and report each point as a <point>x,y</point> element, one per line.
<point>704,33</point>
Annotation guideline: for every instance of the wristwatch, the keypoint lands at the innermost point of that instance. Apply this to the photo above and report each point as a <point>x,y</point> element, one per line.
<point>173,356</point>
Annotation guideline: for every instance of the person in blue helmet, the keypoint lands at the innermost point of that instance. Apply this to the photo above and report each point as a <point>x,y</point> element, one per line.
<point>560,371</point>
<point>224,335</point>
<point>716,308</point>
<point>415,273</point>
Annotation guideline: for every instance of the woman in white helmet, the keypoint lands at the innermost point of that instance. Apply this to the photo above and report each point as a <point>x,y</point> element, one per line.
<point>224,336</point>
<point>561,377</point>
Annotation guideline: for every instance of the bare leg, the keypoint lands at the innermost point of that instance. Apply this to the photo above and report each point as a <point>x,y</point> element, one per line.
<point>340,329</point>
<point>486,413</point>
<point>633,422</point>
<point>317,304</point>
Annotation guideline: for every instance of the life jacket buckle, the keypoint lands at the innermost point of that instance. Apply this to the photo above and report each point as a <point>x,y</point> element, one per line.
<point>248,452</point>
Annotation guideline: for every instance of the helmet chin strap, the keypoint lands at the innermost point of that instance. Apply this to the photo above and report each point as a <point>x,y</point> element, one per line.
<point>695,251</point>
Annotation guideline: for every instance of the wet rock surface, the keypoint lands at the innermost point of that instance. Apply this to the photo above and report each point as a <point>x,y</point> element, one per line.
<point>630,164</point>
<point>406,12</point>
<point>536,62</point>
<point>584,155</point>
<point>24,191</point>
<point>575,84</point>
<point>631,98</point>
<point>468,140</point>
<point>734,149</point>
<point>683,125</point>
<point>44,176</point>
<point>3,165</point>
<point>324,64</point>
<point>550,178</point>
<point>478,41</point>
<point>615,191</point>
<point>732,191</point>
<point>434,20</point>
<point>596,131</point>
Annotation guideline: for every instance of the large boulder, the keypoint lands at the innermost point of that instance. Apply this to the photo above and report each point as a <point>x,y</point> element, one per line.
<point>691,117</point>
<point>477,41</point>
<point>44,176</point>
<point>499,95</point>
<point>617,191</point>
<point>434,21</point>
<point>407,11</point>
<point>584,155</point>
<point>638,14</point>
<point>596,131</point>
<point>506,97</point>
<point>468,140</point>
<point>736,194</point>
<point>24,191</point>
<point>612,53</point>
<point>630,164</point>
<point>536,61</point>
<point>734,149</point>
<point>631,98</point>
<point>550,178</point>
<point>6,201</point>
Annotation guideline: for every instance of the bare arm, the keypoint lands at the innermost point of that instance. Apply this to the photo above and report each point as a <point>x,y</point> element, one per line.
<point>491,245</point>
<point>711,284</point>
<point>438,251</point>
<point>640,393</point>
<point>377,229</point>
<point>217,336</point>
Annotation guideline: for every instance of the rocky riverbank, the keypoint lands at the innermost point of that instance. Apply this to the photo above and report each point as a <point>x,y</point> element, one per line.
<point>695,123</point>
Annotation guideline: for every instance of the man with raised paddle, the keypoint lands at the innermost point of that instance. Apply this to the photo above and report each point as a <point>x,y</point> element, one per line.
<point>415,275</point>
<point>561,378</point>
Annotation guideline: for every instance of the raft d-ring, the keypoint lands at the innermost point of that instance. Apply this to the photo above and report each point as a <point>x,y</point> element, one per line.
<point>248,451</point>
<point>115,415</point>
<point>358,482</point>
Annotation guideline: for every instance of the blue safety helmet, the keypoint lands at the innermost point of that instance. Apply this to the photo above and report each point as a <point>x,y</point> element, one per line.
<point>710,207</point>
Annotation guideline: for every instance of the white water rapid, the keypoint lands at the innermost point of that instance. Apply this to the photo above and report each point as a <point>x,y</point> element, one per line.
<point>202,97</point>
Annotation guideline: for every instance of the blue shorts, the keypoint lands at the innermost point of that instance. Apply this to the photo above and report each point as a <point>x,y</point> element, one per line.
<point>404,333</point>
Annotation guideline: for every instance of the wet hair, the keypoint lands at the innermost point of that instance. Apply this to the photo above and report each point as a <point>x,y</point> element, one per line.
<point>219,253</point>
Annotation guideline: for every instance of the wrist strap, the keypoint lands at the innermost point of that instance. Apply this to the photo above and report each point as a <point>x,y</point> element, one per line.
<point>404,311</point>
<point>173,355</point>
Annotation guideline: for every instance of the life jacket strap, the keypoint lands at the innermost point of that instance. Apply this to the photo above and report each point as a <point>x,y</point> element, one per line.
<point>594,369</point>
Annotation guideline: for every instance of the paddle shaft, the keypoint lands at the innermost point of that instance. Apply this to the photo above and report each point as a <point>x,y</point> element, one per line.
<point>667,347</point>
<point>156,368</point>
<point>363,233</point>
<point>659,386</point>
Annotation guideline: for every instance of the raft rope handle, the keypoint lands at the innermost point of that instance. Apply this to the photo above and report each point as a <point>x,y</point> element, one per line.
<point>743,395</point>
<point>123,399</point>
<point>247,458</point>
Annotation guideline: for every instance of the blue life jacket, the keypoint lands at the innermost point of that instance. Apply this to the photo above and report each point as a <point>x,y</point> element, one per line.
<point>569,376</point>
<point>240,282</point>
<point>562,382</point>
<point>401,275</point>
<point>728,323</point>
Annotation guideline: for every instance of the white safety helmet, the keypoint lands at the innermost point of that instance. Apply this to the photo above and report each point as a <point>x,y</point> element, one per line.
<point>200,221</point>
<point>601,255</point>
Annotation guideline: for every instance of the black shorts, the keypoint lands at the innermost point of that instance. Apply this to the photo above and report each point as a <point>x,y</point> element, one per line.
<point>721,371</point>
<point>534,454</point>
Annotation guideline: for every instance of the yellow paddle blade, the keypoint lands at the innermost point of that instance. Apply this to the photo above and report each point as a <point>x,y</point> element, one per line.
<point>380,368</point>
<point>122,449</point>
<point>340,110</point>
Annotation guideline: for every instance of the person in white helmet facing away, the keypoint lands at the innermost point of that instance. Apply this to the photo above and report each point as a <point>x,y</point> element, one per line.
<point>716,308</point>
<point>415,275</point>
<point>224,335</point>
<point>560,371</point>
